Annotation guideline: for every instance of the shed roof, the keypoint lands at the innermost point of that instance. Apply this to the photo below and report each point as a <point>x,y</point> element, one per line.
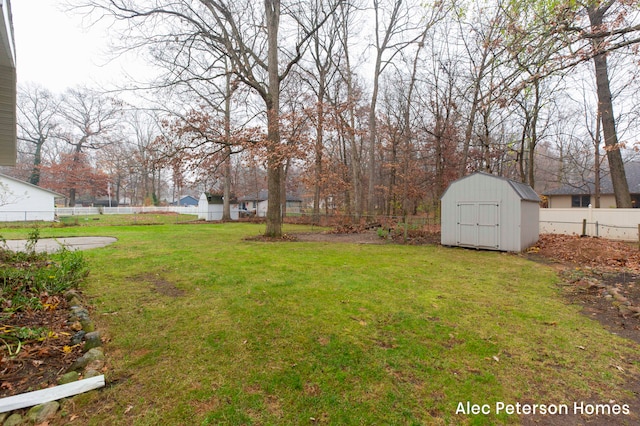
<point>524,191</point>
<point>6,177</point>
<point>217,198</point>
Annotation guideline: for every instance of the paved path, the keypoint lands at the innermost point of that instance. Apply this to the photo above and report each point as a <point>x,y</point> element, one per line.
<point>52,245</point>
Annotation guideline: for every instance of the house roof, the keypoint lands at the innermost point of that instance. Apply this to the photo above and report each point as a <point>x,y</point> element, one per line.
<point>632,171</point>
<point>6,177</point>
<point>524,191</point>
<point>263,195</point>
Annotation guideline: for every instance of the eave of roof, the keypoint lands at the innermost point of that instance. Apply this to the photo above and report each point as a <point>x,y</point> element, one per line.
<point>55,194</point>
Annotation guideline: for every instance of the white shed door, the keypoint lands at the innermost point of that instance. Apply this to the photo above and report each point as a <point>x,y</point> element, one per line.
<point>478,224</point>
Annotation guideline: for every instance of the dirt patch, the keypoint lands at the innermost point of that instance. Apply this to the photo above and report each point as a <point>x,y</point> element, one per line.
<point>160,285</point>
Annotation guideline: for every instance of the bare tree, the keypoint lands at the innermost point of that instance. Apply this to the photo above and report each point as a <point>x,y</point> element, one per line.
<point>248,35</point>
<point>37,122</point>
<point>87,121</point>
<point>597,11</point>
<point>398,24</point>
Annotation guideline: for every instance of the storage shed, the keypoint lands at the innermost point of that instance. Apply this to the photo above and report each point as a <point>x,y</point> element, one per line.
<point>210,207</point>
<point>489,212</point>
<point>22,201</point>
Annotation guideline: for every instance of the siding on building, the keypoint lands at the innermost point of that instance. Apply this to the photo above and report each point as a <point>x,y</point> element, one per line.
<point>8,131</point>
<point>211,207</point>
<point>489,212</point>
<point>22,201</point>
<point>564,201</point>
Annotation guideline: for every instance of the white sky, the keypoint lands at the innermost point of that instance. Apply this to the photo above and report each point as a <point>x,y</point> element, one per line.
<point>55,51</point>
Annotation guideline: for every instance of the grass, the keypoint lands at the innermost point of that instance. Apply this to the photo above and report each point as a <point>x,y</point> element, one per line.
<point>205,327</point>
<point>108,219</point>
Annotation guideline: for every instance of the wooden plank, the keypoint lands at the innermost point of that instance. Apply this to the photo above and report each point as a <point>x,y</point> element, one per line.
<point>30,399</point>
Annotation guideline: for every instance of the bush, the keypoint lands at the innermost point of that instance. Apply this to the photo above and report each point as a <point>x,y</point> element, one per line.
<point>26,277</point>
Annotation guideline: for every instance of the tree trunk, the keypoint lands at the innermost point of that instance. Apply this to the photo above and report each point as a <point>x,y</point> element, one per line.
<point>226,198</point>
<point>34,179</point>
<point>605,109</point>
<point>319,147</point>
<point>274,160</point>
<point>597,164</point>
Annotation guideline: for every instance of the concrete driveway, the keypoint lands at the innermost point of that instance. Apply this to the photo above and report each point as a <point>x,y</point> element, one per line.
<point>52,245</point>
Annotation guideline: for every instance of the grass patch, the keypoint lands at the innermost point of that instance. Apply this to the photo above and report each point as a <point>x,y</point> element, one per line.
<point>208,328</point>
<point>105,220</point>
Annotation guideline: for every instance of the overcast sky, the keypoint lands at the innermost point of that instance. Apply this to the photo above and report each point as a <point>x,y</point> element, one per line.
<point>54,50</point>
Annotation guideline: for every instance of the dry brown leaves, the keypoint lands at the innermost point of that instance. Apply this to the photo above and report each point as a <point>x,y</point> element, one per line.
<point>596,253</point>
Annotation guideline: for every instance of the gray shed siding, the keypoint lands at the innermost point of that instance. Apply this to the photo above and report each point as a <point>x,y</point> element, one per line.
<point>489,212</point>
<point>530,224</point>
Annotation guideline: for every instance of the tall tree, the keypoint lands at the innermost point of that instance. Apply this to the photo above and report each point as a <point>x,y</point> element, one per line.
<point>248,35</point>
<point>597,11</point>
<point>88,119</point>
<point>580,31</point>
<point>398,24</point>
<point>37,122</point>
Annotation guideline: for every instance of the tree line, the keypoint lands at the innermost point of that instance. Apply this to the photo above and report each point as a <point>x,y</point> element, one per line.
<point>368,106</point>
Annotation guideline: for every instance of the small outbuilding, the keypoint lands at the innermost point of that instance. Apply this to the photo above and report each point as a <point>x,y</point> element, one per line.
<point>257,203</point>
<point>489,212</point>
<point>22,201</point>
<point>211,207</point>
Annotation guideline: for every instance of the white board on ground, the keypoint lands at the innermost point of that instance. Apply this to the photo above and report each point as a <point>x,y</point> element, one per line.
<point>30,399</point>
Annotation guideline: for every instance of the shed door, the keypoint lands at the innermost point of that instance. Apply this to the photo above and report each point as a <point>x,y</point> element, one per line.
<point>478,224</point>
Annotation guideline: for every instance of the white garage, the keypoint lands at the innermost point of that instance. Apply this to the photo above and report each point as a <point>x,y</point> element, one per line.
<point>22,201</point>
<point>490,212</point>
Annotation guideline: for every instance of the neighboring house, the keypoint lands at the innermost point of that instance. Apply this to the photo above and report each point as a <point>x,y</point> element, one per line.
<point>490,212</point>
<point>8,132</point>
<point>257,203</point>
<point>211,206</point>
<point>22,201</point>
<point>188,201</point>
<point>582,194</point>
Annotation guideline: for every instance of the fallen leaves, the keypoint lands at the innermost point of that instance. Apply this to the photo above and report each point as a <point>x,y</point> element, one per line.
<point>597,253</point>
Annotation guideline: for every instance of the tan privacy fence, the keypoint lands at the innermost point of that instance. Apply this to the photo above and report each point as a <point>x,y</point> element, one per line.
<point>615,224</point>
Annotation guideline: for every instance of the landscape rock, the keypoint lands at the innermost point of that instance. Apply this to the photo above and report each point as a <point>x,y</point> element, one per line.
<point>71,376</point>
<point>78,313</point>
<point>43,412</point>
<point>78,337</point>
<point>90,356</point>
<point>97,364</point>
<point>92,340</point>
<point>70,294</point>
<point>90,372</point>
<point>87,325</point>
<point>14,419</point>
<point>75,302</point>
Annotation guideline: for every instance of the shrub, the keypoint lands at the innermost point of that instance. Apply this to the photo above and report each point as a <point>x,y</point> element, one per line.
<point>25,277</point>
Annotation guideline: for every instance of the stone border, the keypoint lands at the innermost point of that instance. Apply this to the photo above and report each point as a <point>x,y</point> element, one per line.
<point>89,364</point>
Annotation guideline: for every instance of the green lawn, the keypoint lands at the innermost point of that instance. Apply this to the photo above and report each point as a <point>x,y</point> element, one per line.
<point>205,327</point>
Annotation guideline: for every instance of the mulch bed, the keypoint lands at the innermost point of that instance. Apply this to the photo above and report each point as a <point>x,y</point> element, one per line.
<point>38,363</point>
